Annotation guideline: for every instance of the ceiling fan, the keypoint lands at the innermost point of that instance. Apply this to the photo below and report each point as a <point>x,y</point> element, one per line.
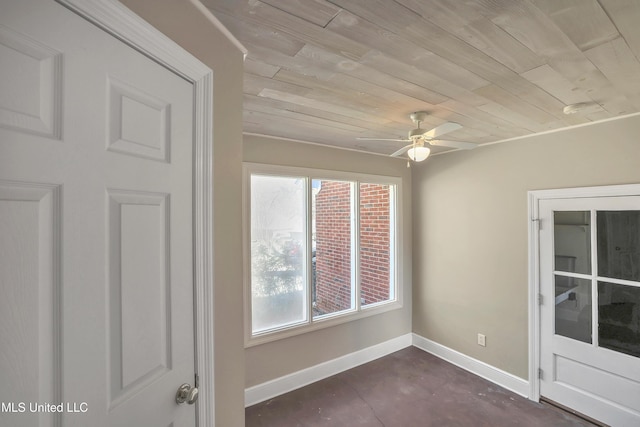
<point>419,139</point>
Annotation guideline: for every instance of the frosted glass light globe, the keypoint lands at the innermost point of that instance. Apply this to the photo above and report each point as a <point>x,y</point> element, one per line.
<point>418,154</point>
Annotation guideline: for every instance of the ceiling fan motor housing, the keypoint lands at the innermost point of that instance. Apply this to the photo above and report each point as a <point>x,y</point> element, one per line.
<point>416,133</point>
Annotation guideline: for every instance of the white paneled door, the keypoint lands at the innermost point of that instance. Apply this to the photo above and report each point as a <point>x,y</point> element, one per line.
<point>590,311</point>
<point>96,239</point>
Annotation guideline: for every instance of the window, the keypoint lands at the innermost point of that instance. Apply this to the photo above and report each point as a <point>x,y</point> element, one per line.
<point>277,249</point>
<point>333,242</point>
<point>322,248</point>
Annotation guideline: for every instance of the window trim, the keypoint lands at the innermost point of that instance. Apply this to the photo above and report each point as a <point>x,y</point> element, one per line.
<point>358,312</point>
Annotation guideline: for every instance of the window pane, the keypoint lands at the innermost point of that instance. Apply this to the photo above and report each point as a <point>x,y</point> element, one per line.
<point>619,318</point>
<point>573,308</point>
<point>619,244</point>
<point>375,243</point>
<point>277,252</point>
<point>332,253</point>
<point>572,241</point>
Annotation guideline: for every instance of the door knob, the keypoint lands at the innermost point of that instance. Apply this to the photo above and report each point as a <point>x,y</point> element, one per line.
<point>186,393</point>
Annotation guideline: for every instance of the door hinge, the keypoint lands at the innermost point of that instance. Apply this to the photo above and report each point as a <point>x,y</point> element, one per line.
<point>540,299</point>
<point>537,221</point>
<point>539,373</point>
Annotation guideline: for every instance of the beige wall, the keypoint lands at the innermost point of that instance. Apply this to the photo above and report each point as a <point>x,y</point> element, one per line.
<point>470,224</point>
<point>183,23</point>
<point>272,360</point>
<point>470,245</point>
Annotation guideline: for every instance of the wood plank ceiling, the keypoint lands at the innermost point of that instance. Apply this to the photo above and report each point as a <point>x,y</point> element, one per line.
<point>329,71</point>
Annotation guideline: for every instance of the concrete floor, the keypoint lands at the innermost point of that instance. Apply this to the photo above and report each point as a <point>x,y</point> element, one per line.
<point>409,388</point>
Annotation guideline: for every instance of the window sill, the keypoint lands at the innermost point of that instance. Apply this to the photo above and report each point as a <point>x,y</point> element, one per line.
<point>322,323</point>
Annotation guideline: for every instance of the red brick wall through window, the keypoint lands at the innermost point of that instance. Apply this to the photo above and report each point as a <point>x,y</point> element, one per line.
<point>333,245</point>
<point>375,236</point>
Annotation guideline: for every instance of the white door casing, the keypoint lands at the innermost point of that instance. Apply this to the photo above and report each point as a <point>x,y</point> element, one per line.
<point>576,370</point>
<point>93,183</point>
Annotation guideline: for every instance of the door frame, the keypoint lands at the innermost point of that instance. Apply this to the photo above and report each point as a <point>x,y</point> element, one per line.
<point>122,23</point>
<point>534,198</point>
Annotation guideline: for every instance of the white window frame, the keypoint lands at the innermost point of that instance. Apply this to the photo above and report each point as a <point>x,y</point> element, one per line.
<point>395,256</point>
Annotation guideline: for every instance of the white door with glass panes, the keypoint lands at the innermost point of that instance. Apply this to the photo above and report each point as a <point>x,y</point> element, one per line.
<point>96,239</point>
<point>590,310</point>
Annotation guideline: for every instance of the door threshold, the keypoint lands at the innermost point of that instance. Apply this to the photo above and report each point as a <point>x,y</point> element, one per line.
<point>573,412</point>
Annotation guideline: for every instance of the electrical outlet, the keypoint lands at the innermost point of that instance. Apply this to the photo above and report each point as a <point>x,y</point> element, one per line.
<point>482,340</point>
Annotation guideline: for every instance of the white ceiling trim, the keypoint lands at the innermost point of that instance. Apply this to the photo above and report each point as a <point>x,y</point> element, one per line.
<point>487,144</point>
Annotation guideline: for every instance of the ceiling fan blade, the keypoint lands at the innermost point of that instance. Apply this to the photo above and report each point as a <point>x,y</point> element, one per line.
<point>382,139</point>
<point>402,150</point>
<point>454,144</point>
<point>442,129</point>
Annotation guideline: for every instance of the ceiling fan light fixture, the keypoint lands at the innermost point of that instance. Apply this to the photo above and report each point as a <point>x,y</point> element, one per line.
<point>418,154</point>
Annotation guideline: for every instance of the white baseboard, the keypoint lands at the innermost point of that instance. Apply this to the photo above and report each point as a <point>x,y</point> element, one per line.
<point>481,369</point>
<point>287,383</point>
<point>261,392</point>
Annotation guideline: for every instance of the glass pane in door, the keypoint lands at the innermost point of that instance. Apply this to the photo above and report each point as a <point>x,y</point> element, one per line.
<point>619,244</point>
<point>572,241</point>
<point>573,308</point>
<point>619,318</point>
